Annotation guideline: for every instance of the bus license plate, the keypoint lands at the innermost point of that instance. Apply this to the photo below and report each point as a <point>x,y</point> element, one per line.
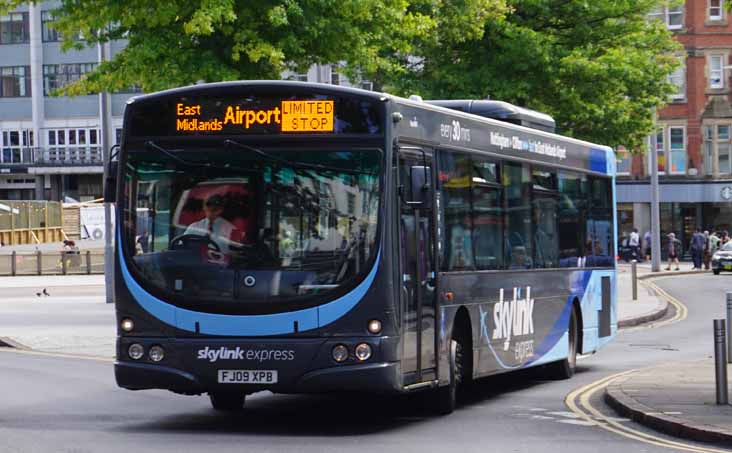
<point>247,376</point>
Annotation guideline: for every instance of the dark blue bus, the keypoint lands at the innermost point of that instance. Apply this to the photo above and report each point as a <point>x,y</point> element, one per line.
<point>301,238</point>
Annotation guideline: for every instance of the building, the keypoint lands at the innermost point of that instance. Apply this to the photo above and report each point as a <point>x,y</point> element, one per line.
<point>51,147</point>
<point>694,135</point>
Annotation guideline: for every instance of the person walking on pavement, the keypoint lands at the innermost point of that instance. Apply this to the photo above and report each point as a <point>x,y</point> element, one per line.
<point>697,248</point>
<point>713,244</point>
<point>707,257</point>
<point>647,245</point>
<point>673,248</point>
<point>634,244</point>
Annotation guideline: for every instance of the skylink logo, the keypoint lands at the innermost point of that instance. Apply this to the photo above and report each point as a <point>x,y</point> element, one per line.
<point>513,318</point>
<point>222,353</point>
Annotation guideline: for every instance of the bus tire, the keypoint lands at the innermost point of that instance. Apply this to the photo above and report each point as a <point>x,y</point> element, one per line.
<point>446,397</point>
<point>227,401</point>
<point>564,369</point>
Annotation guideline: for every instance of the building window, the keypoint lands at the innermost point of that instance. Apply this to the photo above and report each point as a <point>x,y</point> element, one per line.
<point>57,76</point>
<point>724,148</point>
<point>716,71</point>
<point>716,9</point>
<point>673,17</point>
<point>17,147</point>
<point>335,77</point>
<point>660,151</point>
<point>15,81</point>
<point>366,85</point>
<point>73,145</point>
<point>677,150</point>
<point>623,160</point>
<point>14,28</point>
<point>48,32</point>
<point>300,77</point>
<point>678,80</point>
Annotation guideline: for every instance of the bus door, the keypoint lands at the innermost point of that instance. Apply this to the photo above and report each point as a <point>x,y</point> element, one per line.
<point>417,272</point>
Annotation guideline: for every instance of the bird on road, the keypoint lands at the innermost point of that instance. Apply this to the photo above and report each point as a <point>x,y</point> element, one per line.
<point>45,293</point>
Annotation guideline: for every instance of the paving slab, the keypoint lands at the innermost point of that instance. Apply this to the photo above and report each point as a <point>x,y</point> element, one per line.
<point>681,403</point>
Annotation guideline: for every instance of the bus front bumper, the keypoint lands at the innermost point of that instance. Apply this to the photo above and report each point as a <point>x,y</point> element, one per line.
<point>194,366</point>
<point>368,377</point>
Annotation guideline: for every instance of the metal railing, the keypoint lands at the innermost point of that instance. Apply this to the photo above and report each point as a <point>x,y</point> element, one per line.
<point>52,263</point>
<point>72,155</point>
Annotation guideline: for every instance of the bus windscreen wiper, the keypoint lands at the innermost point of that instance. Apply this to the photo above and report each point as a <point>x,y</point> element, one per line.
<point>156,147</point>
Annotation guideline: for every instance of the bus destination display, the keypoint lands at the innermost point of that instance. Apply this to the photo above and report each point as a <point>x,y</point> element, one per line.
<point>293,116</point>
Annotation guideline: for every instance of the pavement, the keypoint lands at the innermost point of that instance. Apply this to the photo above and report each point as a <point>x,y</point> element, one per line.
<point>58,314</point>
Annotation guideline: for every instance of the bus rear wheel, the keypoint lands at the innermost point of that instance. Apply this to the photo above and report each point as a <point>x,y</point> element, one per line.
<point>564,369</point>
<point>446,397</point>
<point>227,401</point>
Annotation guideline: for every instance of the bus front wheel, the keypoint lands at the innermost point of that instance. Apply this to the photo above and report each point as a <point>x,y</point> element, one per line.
<point>446,397</point>
<point>227,401</point>
<point>564,369</point>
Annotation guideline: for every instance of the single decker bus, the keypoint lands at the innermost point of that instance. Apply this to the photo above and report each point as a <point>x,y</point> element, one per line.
<point>301,238</point>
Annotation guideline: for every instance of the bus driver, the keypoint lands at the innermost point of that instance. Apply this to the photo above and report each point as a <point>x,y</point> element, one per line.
<point>213,224</point>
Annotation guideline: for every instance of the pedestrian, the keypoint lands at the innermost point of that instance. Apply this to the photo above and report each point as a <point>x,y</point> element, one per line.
<point>647,244</point>
<point>725,237</point>
<point>707,257</point>
<point>713,243</point>
<point>634,244</point>
<point>696,247</point>
<point>673,251</point>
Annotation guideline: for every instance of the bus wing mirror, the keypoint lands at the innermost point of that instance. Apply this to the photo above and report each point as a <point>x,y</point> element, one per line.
<point>110,183</point>
<point>421,181</point>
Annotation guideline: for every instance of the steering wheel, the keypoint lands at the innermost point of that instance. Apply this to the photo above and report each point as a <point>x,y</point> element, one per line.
<point>186,241</point>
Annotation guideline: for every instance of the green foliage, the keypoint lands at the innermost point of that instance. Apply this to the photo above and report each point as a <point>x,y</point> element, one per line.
<point>599,67</point>
<point>178,42</point>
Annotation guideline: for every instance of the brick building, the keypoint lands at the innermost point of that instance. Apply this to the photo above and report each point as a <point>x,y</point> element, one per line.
<point>694,135</point>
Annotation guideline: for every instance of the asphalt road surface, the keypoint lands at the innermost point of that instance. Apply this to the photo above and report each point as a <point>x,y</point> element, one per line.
<point>63,404</point>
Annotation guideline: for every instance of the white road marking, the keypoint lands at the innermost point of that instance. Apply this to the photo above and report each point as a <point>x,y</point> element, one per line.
<point>578,422</point>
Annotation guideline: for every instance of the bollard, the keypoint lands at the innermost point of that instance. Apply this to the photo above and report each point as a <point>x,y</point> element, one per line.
<point>720,365</point>
<point>14,263</point>
<point>88,262</point>
<point>64,263</point>
<point>634,277</point>
<point>39,262</point>
<point>729,326</point>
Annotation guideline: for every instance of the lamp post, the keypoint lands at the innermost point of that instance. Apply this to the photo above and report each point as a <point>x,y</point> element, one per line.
<point>655,214</point>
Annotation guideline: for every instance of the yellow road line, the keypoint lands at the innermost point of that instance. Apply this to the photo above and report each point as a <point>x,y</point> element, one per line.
<point>579,402</point>
<point>681,312</point>
<point>57,355</point>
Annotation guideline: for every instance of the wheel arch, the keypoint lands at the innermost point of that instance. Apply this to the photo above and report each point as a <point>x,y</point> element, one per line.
<point>462,328</point>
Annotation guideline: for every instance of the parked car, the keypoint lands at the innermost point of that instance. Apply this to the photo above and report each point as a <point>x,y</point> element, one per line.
<point>722,259</point>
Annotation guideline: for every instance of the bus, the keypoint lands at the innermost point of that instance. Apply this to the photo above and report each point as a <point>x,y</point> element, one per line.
<point>304,238</point>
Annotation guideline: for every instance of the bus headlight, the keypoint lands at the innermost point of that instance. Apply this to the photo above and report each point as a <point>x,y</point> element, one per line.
<point>136,351</point>
<point>340,353</point>
<point>156,353</point>
<point>363,352</point>
<point>374,326</point>
<point>127,325</point>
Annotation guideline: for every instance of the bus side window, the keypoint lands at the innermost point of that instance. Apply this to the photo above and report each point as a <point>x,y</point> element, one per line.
<point>519,241</point>
<point>455,180</point>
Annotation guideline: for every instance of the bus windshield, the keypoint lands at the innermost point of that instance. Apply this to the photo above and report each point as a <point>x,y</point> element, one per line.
<point>250,230</point>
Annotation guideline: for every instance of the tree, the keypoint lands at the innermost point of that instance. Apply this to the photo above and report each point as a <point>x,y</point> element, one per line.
<point>178,42</point>
<point>599,67</point>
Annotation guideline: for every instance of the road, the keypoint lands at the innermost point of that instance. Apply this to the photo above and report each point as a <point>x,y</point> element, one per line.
<point>72,405</point>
